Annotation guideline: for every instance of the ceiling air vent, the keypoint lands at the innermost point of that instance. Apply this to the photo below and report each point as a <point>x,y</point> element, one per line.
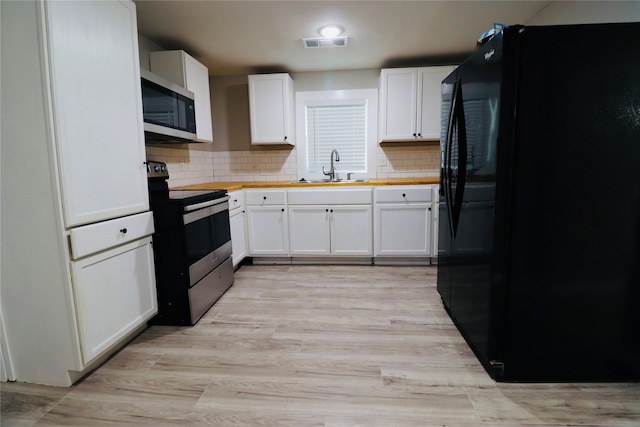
<point>321,42</point>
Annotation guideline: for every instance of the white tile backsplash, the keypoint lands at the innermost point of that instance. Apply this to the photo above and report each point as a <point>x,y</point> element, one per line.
<point>408,161</point>
<point>188,166</point>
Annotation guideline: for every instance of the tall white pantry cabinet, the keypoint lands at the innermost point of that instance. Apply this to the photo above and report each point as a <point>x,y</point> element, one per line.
<point>76,259</point>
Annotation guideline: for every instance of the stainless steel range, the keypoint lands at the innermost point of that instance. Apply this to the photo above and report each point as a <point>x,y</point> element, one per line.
<point>192,248</point>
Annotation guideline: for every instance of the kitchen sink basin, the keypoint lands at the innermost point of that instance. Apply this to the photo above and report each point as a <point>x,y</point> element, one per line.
<point>329,181</point>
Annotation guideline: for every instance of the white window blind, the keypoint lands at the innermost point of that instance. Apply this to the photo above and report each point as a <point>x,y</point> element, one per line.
<point>340,126</point>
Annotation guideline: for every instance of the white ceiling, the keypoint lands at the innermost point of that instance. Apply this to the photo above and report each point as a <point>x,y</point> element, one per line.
<point>245,37</point>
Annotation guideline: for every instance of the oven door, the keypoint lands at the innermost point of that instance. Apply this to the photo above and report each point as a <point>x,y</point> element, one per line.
<point>206,231</point>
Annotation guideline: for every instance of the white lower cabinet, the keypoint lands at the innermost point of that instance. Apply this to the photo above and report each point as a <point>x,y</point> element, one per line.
<point>267,222</point>
<point>309,230</point>
<point>330,222</point>
<point>237,215</point>
<point>330,230</point>
<point>267,230</point>
<point>351,228</point>
<point>403,230</point>
<point>389,224</point>
<point>403,222</point>
<point>113,296</point>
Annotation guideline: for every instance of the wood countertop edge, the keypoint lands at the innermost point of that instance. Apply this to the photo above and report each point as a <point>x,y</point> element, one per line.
<point>234,186</point>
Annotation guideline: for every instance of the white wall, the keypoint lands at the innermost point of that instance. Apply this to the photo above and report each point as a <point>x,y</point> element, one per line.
<point>146,45</point>
<point>587,12</point>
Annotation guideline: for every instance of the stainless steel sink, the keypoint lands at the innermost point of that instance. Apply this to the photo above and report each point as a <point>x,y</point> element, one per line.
<point>329,181</point>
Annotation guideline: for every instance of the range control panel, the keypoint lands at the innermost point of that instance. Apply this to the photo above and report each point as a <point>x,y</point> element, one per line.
<point>157,170</point>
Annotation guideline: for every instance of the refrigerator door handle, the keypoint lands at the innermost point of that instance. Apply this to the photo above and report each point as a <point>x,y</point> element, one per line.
<point>462,159</point>
<point>445,172</point>
<point>448,156</point>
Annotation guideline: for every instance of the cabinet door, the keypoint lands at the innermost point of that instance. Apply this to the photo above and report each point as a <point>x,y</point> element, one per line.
<point>97,108</point>
<point>398,104</point>
<point>429,115</point>
<point>271,108</point>
<point>403,230</point>
<point>115,293</point>
<point>268,230</point>
<point>198,83</point>
<point>351,230</point>
<point>238,238</point>
<point>309,230</point>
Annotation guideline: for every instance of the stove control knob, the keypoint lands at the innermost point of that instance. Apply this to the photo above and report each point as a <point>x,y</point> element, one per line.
<point>156,168</point>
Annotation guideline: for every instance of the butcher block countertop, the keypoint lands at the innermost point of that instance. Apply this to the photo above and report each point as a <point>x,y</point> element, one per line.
<point>233,186</point>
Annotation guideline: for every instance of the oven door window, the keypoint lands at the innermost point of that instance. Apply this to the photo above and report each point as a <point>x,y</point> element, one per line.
<point>222,229</point>
<point>206,230</point>
<point>199,238</point>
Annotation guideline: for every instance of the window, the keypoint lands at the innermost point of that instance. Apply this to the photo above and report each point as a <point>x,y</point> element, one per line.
<point>343,120</point>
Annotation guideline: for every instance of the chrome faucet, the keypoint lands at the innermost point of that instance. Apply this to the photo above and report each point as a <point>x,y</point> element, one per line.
<point>332,173</point>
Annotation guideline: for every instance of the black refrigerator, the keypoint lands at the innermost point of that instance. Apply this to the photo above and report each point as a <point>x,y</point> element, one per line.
<point>539,210</point>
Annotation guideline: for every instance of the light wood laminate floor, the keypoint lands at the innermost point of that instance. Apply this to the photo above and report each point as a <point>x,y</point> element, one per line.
<point>323,346</point>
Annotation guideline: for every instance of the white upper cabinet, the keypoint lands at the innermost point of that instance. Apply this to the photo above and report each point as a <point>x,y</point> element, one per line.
<point>398,104</point>
<point>271,109</point>
<point>410,103</point>
<point>97,107</point>
<point>429,105</point>
<point>179,67</point>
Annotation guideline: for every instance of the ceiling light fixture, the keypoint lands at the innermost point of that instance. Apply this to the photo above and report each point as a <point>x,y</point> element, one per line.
<point>330,31</point>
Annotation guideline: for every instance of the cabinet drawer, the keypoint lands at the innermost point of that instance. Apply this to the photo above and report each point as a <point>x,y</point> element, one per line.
<point>236,200</point>
<point>411,194</point>
<point>334,196</point>
<point>265,197</point>
<point>104,235</point>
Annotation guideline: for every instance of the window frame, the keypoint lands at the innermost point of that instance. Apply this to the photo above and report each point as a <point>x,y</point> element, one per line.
<point>312,98</point>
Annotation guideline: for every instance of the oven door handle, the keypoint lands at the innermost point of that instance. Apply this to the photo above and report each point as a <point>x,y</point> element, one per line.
<point>221,206</point>
<point>205,204</point>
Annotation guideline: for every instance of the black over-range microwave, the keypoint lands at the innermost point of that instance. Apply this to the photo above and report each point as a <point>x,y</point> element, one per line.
<point>168,110</point>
